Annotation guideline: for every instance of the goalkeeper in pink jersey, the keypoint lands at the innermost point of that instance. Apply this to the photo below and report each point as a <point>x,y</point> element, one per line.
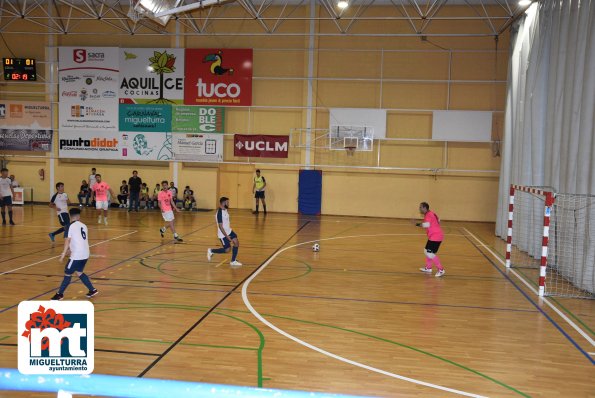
<point>431,223</point>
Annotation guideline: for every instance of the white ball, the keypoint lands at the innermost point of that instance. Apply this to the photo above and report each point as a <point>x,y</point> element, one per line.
<point>315,247</point>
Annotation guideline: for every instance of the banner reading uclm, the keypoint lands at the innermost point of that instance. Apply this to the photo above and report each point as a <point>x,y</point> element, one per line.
<point>218,77</point>
<point>261,146</point>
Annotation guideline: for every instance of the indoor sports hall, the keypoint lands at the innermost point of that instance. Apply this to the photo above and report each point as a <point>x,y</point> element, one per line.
<point>283,198</point>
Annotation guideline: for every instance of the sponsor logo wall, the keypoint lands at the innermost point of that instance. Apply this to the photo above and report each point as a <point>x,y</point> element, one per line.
<point>149,104</point>
<point>218,77</point>
<point>261,146</point>
<point>88,86</point>
<point>25,126</point>
<point>151,76</point>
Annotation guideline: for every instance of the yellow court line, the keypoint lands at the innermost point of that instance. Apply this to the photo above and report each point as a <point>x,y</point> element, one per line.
<point>221,263</point>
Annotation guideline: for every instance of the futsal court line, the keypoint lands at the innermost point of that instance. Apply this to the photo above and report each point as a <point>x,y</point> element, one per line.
<point>51,258</point>
<point>544,299</point>
<point>320,350</point>
<point>109,266</point>
<point>214,307</point>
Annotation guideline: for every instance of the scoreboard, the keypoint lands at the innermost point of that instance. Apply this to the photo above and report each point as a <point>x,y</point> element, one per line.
<point>19,69</point>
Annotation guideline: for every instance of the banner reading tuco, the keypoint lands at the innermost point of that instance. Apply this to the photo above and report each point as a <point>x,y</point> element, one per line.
<point>261,146</point>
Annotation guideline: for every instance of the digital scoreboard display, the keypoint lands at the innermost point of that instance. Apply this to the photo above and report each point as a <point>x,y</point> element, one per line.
<point>19,69</point>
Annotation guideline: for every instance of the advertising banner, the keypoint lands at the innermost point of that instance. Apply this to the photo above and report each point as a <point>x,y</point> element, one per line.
<point>25,126</point>
<point>151,76</point>
<point>88,89</point>
<point>218,77</point>
<point>261,146</point>
<point>198,147</point>
<point>100,145</point>
<point>146,146</point>
<point>198,119</point>
<point>144,118</point>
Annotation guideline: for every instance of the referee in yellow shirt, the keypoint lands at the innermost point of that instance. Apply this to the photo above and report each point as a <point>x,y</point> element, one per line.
<point>258,190</point>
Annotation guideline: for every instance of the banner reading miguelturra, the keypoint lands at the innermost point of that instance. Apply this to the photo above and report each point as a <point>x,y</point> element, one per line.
<point>25,126</point>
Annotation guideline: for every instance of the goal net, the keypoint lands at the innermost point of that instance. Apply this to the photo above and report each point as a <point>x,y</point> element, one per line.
<point>555,234</point>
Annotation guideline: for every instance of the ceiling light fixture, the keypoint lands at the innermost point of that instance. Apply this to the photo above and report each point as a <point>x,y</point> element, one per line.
<point>342,4</point>
<point>524,3</point>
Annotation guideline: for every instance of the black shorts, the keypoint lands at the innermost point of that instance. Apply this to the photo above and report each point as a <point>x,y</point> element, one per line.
<point>75,266</point>
<point>6,201</point>
<point>64,219</point>
<point>259,194</point>
<point>225,242</point>
<point>432,246</point>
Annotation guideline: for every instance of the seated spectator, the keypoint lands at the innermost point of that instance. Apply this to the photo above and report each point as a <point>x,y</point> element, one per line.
<point>156,191</point>
<point>84,192</point>
<point>189,201</point>
<point>174,192</point>
<point>144,194</point>
<point>123,196</point>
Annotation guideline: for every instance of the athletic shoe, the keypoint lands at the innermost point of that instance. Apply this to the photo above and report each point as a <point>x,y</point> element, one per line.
<point>99,220</point>
<point>209,254</point>
<point>236,264</point>
<point>440,273</point>
<point>52,238</point>
<point>92,293</point>
<point>178,239</point>
<point>11,222</point>
<point>80,205</point>
<point>57,297</point>
<point>105,221</point>
<point>426,270</point>
<point>162,232</point>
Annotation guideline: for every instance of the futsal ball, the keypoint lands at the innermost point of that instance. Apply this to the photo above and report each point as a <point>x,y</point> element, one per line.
<point>315,247</point>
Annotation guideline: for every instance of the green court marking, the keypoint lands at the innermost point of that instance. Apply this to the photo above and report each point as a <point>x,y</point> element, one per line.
<point>145,305</point>
<point>183,307</point>
<point>566,310</point>
<point>171,342</point>
<point>4,338</point>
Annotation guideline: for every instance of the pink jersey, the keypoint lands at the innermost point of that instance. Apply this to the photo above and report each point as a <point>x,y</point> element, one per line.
<point>100,189</point>
<point>164,199</point>
<point>434,231</point>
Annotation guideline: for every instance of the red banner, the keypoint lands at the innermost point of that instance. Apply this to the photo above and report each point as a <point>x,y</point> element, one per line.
<point>218,77</point>
<point>261,146</point>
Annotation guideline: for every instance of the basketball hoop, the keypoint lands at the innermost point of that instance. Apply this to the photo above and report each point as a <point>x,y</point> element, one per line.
<point>350,150</point>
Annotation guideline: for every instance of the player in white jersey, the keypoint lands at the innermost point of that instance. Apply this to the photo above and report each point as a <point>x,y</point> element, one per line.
<point>60,202</point>
<point>6,193</point>
<point>77,244</point>
<point>225,234</point>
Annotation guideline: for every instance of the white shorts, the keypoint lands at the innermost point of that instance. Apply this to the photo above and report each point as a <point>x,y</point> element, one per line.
<point>168,215</point>
<point>101,204</point>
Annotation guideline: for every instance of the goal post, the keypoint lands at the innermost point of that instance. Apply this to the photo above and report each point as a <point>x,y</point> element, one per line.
<point>553,234</point>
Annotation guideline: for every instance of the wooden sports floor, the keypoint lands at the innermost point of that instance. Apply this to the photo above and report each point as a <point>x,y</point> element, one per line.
<point>357,317</point>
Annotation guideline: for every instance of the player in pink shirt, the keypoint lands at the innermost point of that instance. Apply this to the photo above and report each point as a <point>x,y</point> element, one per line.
<point>431,223</point>
<point>167,206</point>
<point>100,190</point>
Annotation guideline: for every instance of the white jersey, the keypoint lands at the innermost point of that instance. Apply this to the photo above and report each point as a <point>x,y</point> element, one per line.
<point>61,202</point>
<point>5,184</point>
<point>222,217</point>
<point>79,243</point>
<point>92,180</point>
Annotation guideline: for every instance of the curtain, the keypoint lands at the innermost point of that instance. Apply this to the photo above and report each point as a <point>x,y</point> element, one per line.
<point>550,106</point>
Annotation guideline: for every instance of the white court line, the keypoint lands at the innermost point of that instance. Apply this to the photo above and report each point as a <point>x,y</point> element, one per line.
<point>545,300</point>
<point>51,258</point>
<point>327,353</point>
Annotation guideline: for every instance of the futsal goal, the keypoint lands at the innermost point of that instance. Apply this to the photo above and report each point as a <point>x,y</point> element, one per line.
<point>553,233</point>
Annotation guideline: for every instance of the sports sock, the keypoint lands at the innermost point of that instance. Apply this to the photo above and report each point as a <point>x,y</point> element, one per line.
<point>86,281</point>
<point>3,215</point>
<point>234,253</point>
<point>256,207</point>
<point>10,215</point>
<point>428,263</point>
<point>265,208</point>
<point>64,284</point>
<point>218,251</point>
<point>58,231</point>
<point>436,262</point>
